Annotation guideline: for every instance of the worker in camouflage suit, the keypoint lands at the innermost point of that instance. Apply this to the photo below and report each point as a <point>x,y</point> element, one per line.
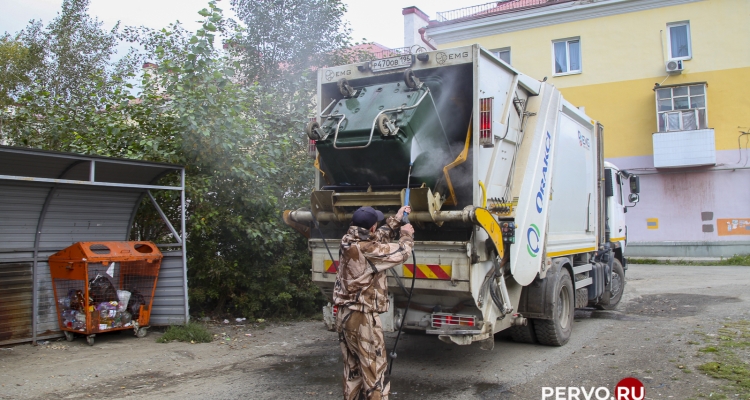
<point>361,293</point>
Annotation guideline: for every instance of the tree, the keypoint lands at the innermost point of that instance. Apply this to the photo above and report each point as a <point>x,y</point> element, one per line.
<point>239,165</point>
<point>239,139</point>
<point>77,55</point>
<point>17,59</point>
<point>280,45</point>
<point>66,76</point>
<point>282,38</point>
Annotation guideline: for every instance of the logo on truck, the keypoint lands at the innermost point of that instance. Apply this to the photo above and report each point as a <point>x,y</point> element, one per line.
<point>532,236</point>
<point>543,183</point>
<point>583,141</point>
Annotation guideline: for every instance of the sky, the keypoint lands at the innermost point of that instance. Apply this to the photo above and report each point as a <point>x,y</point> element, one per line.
<point>378,21</point>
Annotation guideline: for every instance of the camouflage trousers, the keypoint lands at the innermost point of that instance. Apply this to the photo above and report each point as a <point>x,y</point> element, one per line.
<point>363,345</point>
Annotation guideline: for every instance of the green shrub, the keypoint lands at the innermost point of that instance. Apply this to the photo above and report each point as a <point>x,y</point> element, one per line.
<point>190,332</point>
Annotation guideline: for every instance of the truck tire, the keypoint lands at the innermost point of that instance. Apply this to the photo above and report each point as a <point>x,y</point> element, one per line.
<point>616,288</point>
<point>556,331</point>
<point>523,334</point>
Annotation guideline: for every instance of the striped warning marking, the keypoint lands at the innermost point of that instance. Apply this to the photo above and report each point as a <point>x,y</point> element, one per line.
<point>428,271</point>
<point>330,266</point>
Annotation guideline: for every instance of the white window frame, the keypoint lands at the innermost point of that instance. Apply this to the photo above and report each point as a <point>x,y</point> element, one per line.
<point>689,40</point>
<point>567,56</point>
<point>684,110</point>
<point>496,53</point>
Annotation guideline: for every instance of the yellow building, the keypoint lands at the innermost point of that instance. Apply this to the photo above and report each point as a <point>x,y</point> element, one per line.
<point>670,81</point>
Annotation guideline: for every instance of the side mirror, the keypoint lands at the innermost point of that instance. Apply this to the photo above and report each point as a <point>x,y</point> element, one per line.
<point>635,186</point>
<point>633,197</point>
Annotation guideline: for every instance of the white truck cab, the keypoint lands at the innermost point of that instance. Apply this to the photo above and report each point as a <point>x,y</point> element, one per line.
<point>617,184</point>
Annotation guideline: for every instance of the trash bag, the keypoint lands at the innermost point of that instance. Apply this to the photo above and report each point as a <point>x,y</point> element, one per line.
<point>73,301</point>
<point>134,304</point>
<point>101,290</point>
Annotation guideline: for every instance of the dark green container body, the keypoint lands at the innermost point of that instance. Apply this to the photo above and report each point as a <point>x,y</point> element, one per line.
<point>386,160</point>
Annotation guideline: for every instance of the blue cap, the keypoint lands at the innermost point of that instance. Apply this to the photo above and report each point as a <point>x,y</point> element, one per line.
<point>366,217</point>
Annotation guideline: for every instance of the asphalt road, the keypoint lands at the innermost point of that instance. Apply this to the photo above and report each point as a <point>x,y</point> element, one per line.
<point>664,318</point>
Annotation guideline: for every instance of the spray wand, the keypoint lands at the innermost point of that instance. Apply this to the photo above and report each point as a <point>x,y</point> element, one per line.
<point>405,220</point>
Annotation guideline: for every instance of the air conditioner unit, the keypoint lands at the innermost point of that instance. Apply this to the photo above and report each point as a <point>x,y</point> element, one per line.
<point>674,67</point>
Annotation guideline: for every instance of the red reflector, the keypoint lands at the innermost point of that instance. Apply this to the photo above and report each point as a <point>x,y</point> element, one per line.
<point>440,319</point>
<point>485,122</point>
<point>311,150</point>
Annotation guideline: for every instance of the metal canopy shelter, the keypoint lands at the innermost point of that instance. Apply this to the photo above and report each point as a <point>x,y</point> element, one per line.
<point>50,200</point>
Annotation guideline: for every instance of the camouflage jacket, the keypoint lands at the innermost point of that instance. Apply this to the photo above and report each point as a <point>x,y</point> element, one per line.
<point>364,259</point>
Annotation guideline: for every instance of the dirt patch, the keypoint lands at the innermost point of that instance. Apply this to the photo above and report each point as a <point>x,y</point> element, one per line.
<point>492,391</point>
<point>590,313</point>
<point>318,369</point>
<point>675,304</point>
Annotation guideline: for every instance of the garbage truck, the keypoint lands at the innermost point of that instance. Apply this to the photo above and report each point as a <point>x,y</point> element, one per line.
<point>518,219</point>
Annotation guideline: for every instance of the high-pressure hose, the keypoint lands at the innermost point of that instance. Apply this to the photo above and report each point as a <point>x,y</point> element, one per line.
<point>405,220</point>
<point>403,319</point>
<point>324,238</point>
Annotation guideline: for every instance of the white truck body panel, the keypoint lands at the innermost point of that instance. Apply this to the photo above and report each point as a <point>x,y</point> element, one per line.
<point>573,198</point>
<point>534,197</point>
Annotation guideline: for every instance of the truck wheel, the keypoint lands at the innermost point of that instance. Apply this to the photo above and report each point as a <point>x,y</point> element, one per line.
<point>523,334</point>
<point>556,332</point>
<point>616,288</point>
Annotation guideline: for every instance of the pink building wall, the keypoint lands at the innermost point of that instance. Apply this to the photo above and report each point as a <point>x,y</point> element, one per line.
<point>692,206</point>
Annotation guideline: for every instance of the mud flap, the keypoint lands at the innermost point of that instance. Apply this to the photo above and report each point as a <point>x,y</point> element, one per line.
<point>538,298</point>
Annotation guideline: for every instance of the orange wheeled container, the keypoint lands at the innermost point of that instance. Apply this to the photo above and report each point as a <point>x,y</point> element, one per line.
<point>104,287</point>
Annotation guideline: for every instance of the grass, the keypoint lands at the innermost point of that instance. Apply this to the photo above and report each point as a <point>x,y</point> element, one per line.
<point>192,332</point>
<point>737,259</point>
<point>727,364</point>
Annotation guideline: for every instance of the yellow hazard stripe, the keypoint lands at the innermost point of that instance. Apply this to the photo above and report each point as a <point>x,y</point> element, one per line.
<point>619,239</point>
<point>569,252</point>
<point>429,271</point>
<point>329,266</point>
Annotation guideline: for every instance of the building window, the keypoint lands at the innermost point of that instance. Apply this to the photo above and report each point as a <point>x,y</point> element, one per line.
<point>681,108</point>
<point>678,35</point>
<point>567,55</point>
<point>503,54</point>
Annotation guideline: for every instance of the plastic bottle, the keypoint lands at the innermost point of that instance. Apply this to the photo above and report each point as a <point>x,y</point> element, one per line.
<point>68,317</point>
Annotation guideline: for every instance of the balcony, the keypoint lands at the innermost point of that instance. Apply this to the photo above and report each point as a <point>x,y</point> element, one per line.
<point>688,148</point>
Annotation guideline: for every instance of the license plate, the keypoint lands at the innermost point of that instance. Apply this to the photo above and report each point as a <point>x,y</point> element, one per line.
<point>390,63</point>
